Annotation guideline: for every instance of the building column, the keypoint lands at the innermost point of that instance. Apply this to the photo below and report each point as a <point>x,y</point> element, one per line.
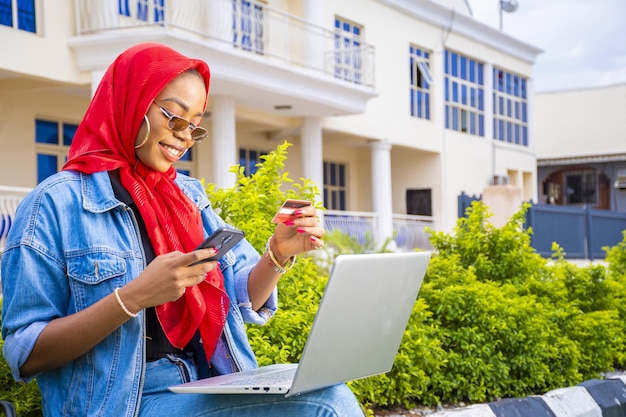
<point>530,117</point>
<point>381,189</point>
<point>441,200</point>
<point>224,140</point>
<point>314,14</point>
<point>312,154</point>
<point>488,106</point>
<point>96,77</point>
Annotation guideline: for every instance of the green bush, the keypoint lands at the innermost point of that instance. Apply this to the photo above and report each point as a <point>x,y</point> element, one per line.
<point>493,319</point>
<point>24,396</point>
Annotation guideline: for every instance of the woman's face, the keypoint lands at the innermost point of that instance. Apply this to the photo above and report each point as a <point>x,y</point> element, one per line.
<point>183,97</point>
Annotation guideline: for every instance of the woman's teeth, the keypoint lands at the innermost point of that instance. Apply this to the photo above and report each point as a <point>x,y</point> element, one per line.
<point>173,151</point>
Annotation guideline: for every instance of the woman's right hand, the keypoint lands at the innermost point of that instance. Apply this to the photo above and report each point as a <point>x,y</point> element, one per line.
<point>166,278</point>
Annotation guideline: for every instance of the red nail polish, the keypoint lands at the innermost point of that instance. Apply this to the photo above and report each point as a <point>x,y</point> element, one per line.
<point>297,213</point>
<point>289,223</point>
<point>300,230</point>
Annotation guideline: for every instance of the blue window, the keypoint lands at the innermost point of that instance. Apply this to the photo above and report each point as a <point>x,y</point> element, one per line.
<point>510,106</point>
<point>248,22</point>
<point>26,17</point>
<point>152,11</point>
<point>421,79</point>
<point>53,139</point>
<point>335,187</point>
<point>348,61</point>
<point>464,94</point>
<point>249,159</point>
<point>46,166</point>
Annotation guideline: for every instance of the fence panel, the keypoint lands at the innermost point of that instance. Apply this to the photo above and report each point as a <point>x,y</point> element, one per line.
<point>605,229</point>
<point>563,225</point>
<point>465,201</point>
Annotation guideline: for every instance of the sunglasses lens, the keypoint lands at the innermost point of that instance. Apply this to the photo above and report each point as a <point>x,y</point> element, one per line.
<point>178,124</point>
<point>199,133</point>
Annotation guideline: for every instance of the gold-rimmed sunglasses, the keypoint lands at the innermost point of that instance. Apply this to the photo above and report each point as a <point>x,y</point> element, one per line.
<point>178,124</point>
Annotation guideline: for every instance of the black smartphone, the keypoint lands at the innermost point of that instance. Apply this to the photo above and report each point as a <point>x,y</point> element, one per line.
<point>222,239</point>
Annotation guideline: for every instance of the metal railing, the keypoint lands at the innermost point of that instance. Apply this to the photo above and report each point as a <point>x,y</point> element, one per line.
<point>10,197</point>
<point>247,26</point>
<point>410,231</point>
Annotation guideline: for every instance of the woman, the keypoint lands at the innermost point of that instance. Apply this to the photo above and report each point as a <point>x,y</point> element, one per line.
<point>101,301</point>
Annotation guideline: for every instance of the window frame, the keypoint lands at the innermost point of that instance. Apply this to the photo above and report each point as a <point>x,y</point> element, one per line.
<point>420,79</point>
<point>348,53</point>
<point>464,94</point>
<point>510,107</point>
<point>335,189</point>
<point>59,149</point>
<point>249,159</point>
<point>21,18</point>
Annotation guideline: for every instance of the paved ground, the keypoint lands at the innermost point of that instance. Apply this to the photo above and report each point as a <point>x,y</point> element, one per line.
<point>414,412</point>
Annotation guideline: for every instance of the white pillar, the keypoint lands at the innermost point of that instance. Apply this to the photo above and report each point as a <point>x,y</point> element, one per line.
<point>439,120</point>
<point>488,102</point>
<point>224,140</point>
<point>530,115</point>
<point>313,14</point>
<point>312,154</point>
<point>381,189</point>
<point>96,77</point>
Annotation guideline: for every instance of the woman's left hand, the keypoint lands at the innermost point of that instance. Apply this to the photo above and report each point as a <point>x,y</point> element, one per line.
<point>301,233</point>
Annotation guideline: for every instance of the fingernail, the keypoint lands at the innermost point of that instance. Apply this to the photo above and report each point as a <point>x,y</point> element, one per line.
<point>300,230</point>
<point>289,223</point>
<point>313,239</point>
<point>297,213</point>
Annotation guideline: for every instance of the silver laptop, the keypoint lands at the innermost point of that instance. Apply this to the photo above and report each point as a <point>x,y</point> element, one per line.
<point>356,332</point>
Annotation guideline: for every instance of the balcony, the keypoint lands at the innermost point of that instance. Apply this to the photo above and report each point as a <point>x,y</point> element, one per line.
<point>410,231</point>
<point>10,197</point>
<point>260,55</point>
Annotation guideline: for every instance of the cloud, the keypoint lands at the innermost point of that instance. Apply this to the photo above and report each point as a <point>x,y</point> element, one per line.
<point>584,41</point>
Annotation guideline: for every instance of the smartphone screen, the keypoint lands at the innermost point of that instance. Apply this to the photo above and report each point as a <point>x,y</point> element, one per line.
<point>223,239</point>
<point>287,209</point>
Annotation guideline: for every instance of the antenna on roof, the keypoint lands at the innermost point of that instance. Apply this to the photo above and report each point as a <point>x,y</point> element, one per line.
<point>508,6</point>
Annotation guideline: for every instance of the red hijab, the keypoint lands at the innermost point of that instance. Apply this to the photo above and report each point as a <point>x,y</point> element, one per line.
<point>105,140</point>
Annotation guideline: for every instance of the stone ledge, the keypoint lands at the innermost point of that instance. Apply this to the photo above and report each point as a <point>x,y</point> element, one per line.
<point>593,398</point>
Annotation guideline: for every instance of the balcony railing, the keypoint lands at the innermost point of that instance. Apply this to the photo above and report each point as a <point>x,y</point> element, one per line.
<point>240,25</point>
<point>410,230</point>
<point>10,197</point>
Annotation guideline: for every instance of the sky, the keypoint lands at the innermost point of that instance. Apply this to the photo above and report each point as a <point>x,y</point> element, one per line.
<point>584,41</point>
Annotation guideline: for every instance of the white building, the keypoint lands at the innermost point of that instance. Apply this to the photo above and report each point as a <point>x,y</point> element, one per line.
<point>392,105</point>
<point>581,147</point>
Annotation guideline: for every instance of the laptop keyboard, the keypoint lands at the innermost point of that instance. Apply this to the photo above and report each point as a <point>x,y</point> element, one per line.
<point>273,378</point>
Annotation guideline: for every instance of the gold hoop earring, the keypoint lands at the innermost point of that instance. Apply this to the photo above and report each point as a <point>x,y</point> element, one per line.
<point>145,117</point>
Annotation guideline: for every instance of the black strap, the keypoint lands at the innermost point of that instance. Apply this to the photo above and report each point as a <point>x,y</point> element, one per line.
<point>8,408</point>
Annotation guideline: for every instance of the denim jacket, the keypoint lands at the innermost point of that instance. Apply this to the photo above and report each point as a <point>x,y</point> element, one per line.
<point>71,244</point>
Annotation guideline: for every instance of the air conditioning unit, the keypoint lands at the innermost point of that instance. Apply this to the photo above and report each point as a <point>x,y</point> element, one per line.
<point>500,180</point>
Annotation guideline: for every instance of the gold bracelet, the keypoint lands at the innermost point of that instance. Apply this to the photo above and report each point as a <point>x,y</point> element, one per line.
<point>122,305</point>
<point>278,267</point>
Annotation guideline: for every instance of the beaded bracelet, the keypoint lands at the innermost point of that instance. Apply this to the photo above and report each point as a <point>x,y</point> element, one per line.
<point>278,267</point>
<point>122,305</point>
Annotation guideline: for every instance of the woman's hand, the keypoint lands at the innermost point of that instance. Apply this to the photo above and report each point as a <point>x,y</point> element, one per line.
<point>301,233</point>
<point>166,279</point>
